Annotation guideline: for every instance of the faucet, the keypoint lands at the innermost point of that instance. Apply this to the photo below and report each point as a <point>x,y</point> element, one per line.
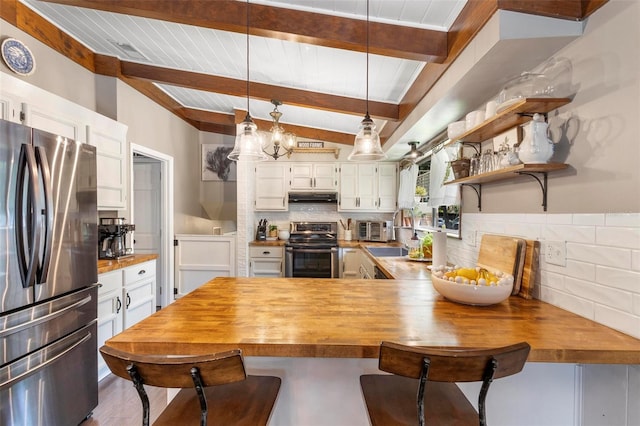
<point>393,225</point>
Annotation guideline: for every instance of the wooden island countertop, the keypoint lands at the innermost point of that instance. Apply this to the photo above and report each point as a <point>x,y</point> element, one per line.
<point>334,318</point>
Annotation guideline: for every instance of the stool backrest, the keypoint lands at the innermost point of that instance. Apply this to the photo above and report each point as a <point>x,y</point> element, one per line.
<point>175,371</point>
<point>452,364</point>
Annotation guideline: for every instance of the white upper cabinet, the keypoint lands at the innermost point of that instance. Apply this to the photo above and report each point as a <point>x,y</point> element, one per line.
<point>109,138</point>
<point>24,103</point>
<point>368,187</point>
<point>271,185</point>
<point>313,177</point>
<point>387,187</point>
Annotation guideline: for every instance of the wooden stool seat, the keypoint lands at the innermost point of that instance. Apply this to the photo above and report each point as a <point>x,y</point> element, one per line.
<point>421,389</point>
<point>391,400</point>
<point>215,388</point>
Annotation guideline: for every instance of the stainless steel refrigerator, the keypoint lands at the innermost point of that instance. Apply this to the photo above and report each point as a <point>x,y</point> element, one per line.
<point>48,278</point>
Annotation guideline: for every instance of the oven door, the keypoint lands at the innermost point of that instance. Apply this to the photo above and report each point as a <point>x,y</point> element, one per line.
<point>311,262</point>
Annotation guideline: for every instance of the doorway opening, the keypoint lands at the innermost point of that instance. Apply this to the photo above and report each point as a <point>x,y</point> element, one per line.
<point>152,213</point>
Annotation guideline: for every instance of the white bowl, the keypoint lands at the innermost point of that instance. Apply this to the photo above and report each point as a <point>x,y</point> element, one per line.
<point>456,128</point>
<point>283,235</point>
<point>472,294</point>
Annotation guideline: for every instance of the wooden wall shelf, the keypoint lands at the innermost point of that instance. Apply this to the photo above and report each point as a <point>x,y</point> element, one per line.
<point>533,170</point>
<point>519,113</point>
<point>334,151</point>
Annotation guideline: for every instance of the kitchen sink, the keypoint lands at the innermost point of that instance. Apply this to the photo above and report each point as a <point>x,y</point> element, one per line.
<point>388,251</point>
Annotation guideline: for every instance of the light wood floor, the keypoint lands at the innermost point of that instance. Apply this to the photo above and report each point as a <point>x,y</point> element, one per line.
<point>119,403</point>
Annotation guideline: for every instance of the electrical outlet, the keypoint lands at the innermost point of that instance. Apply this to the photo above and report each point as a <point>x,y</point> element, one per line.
<point>470,238</point>
<point>555,253</point>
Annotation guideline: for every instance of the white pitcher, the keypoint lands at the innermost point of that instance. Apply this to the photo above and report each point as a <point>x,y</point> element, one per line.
<point>536,147</point>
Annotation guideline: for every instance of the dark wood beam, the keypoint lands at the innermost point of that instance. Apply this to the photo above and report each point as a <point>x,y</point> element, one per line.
<point>472,18</point>
<point>234,87</point>
<point>576,10</point>
<point>285,24</point>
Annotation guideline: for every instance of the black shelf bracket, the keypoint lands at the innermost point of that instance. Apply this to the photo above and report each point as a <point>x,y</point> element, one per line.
<point>542,183</point>
<point>472,145</point>
<point>477,187</point>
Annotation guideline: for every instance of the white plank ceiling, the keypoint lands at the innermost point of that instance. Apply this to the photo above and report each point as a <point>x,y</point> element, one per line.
<point>271,61</point>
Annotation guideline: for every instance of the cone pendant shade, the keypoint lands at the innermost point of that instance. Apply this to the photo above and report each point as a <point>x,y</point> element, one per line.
<point>367,144</point>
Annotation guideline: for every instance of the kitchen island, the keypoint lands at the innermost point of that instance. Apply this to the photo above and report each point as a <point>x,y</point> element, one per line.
<point>319,335</point>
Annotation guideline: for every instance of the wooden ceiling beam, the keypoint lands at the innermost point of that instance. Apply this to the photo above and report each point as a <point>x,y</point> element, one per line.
<point>234,87</point>
<point>576,10</point>
<point>285,24</point>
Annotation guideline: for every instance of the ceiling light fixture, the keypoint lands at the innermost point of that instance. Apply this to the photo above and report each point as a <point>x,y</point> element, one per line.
<point>367,144</point>
<point>280,138</point>
<point>414,153</point>
<point>247,145</point>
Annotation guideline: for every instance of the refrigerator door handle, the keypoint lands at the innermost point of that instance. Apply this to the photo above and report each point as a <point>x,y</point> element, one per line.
<point>27,255</point>
<point>45,318</point>
<point>41,159</point>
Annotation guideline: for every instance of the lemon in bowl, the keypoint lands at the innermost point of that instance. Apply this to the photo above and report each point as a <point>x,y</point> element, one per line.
<point>472,286</point>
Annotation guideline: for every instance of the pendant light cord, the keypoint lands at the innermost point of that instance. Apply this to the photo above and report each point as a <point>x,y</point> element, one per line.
<point>248,114</point>
<point>367,91</point>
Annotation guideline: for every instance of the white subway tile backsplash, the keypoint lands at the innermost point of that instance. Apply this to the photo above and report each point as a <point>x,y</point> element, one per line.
<point>618,236</point>
<point>614,318</point>
<point>577,305</point>
<point>589,219</point>
<point>618,278</point>
<point>623,219</point>
<point>599,294</point>
<point>607,256</point>
<point>559,219</point>
<point>573,233</point>
<point>578,270</point>
<point>602,272</point>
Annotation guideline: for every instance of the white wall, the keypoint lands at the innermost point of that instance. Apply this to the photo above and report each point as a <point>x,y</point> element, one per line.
<point>596,134</point>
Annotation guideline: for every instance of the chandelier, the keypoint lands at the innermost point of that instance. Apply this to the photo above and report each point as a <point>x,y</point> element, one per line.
<point>280,138</point>
<point>367,147</point>
<point>247,145</point>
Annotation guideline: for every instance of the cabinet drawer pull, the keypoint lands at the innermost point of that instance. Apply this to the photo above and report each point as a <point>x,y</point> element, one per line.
<point>266,252</point>
<point>142,271</point>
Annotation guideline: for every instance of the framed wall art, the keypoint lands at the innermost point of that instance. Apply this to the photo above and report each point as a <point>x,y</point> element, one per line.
<point>216,165</point>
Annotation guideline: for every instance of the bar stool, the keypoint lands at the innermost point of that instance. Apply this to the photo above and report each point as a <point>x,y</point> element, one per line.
<point>422,384</point>
<point>216,388</point>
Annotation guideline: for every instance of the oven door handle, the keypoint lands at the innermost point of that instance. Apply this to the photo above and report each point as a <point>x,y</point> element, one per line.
<point>310,250</point>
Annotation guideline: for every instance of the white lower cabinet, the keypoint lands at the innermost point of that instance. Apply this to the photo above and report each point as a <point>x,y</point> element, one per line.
<point>125,297</point>
<point>367,267</point>
<point>267,261</point>
<point>200,258</point>
<point>350,262</point>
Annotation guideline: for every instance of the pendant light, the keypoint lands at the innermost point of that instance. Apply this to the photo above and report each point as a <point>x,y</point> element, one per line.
<point>367,144</point>
<point>248,145</point>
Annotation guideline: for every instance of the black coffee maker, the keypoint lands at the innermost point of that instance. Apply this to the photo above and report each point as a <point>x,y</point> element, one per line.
<point>114,240</point>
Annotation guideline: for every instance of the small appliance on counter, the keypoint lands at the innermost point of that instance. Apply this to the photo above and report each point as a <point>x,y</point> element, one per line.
<point>380,230</point>
<point>114,240</point>
<point>261,231</point>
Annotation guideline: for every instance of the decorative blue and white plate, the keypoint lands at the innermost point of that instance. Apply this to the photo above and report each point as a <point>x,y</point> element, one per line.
<point>18,57</point>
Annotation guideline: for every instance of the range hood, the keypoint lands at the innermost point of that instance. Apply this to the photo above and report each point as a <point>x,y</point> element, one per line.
<point>313,197</point>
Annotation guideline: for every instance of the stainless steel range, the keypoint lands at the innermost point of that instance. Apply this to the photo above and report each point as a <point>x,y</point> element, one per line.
<point>312,250</point>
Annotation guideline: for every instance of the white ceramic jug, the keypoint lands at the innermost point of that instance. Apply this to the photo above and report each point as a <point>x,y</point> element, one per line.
<point>536,147</point>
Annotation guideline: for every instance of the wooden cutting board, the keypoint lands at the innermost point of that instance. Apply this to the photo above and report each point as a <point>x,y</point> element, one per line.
<point>531,261</point>
<point>505,254</point>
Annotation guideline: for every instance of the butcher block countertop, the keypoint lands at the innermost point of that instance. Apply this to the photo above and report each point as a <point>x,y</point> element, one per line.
<point>107,265</point>
<point>304,317</point>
